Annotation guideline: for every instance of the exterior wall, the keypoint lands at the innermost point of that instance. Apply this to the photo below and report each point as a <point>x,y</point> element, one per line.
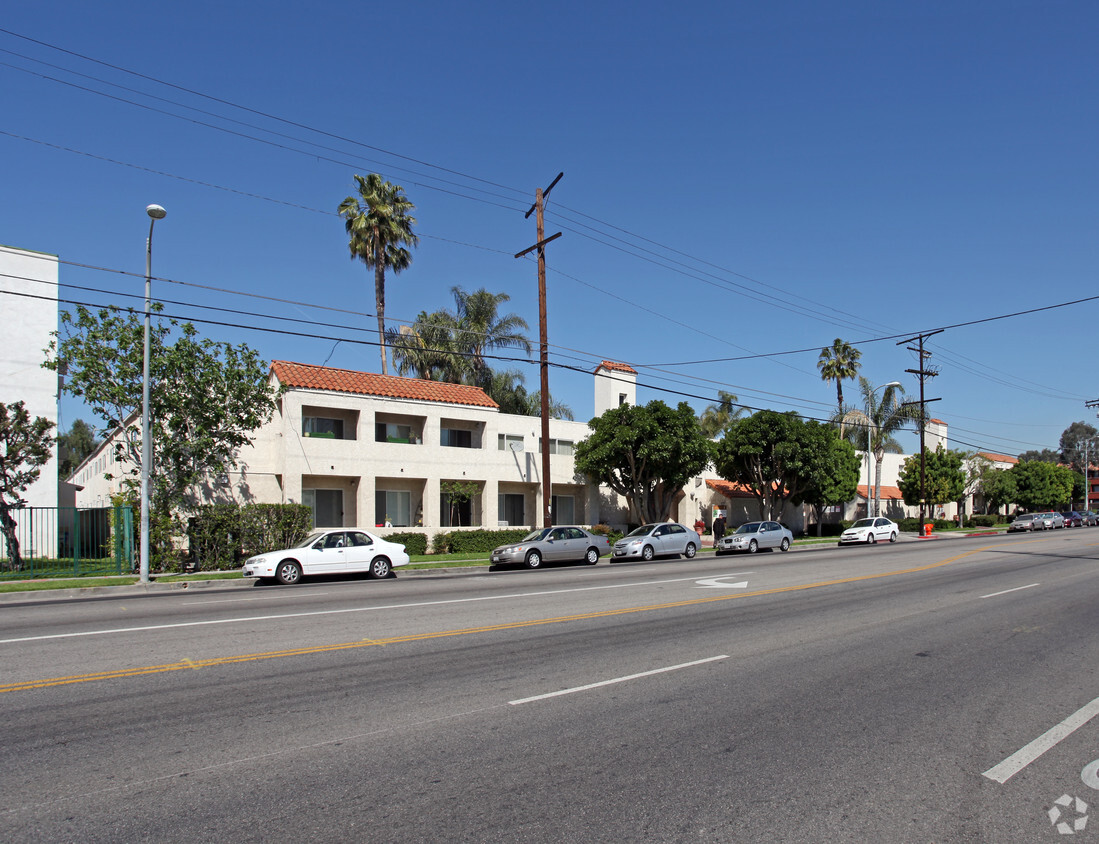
<point>614,387</point>
<point>28,323</point>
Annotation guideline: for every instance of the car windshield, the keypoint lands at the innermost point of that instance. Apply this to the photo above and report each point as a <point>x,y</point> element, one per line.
<point>309,540</point>
<point>535,534</point>
<point>749,527</point>
<point>861,523</point>
<point>644,530</point>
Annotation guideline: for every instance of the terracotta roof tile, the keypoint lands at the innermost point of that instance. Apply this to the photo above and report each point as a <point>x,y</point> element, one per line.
<point>616,367</point>
<point>309,376</point>
<point>888,493</point>
<point>997,458</point>
<point>728,488</point>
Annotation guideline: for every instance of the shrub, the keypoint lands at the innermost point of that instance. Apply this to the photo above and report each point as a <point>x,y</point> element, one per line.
<point>826,529</point>
<point>474,541</point>
<point>982,521</point>
<point>221,535</point>
<point>414,543</point>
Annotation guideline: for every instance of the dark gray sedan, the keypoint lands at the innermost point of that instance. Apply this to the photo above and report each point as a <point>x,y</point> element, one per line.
<point>551,545</point>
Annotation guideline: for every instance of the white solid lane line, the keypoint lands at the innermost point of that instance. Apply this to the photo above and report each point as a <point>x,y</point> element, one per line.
<point>617,680</point>
<point>1050,738</point>
<point>1006,591</point>
<point>277,616</point>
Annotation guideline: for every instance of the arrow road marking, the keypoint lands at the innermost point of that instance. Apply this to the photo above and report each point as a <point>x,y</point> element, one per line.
<point>719,582</point>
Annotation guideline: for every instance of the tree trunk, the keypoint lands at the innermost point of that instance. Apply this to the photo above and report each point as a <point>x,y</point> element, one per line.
<point>7,528</point>
<point>379,299</point>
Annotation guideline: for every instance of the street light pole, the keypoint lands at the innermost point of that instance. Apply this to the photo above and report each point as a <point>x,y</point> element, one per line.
<point>155,213</point>
<point>870,449</point>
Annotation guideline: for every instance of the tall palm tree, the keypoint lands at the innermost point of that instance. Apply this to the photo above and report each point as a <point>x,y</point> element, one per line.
<point>480,329</point>
<point>879,421</point>
<point>426,348</point>
<point>717,417</point>
<point>505,387</point>
<point>837,362</point>
<point>379,228</point>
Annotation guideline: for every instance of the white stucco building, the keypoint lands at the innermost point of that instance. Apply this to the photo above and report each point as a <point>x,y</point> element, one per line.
<point>28,293</point>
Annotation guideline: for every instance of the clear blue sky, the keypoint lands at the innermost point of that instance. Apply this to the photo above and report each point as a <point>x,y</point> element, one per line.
<point>861,170</point>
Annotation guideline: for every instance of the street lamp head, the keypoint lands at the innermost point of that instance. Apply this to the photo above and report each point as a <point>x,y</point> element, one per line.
<point>156,212</point>
<point>893,384</point>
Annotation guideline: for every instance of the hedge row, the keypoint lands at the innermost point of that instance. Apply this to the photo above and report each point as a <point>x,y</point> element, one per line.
<point>220,536</point>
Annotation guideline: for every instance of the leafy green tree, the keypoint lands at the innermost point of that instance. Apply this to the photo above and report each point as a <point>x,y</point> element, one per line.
<point>205,400</point>
<point>997,488</point>
<point>945,478</point>
<point>379,227</point>
<point>837,362</point>
<point>887,416</point>
<point>777,456</point>
<point>1041,485</point>
<point>458,493</point>
<point>1072,445</point>
<point>717,417</point>
<point>1046,455</point>
<point>836,482</point>
<point>25,447</point>
<point>73,446</point>
<point>646,454</point>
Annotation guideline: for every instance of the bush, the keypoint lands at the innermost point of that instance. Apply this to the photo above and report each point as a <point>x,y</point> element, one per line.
<point>221,535</point>
<point>982,521</point>
<point>826,529</point>
<point>414,543</point>
<point>474,541</point>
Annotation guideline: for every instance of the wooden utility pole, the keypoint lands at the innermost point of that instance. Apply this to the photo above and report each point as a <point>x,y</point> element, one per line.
<point>922,373</point>
<point>539,206</point>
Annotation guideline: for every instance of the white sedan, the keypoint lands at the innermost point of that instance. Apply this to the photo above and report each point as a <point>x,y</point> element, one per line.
<point>870,531</point>
<point>332,551</point>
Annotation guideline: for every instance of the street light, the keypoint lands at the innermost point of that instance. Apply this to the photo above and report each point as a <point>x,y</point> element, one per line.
<point>870,449</point>
<point>155,213</point>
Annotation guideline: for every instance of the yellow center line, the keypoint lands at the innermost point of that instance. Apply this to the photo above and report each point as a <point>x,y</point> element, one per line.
<point>194,665</point>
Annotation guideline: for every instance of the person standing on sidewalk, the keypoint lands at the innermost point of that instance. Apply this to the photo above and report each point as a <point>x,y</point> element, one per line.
<point>719,528</point>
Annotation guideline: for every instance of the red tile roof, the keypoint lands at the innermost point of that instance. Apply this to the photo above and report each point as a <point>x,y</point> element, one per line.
<point>728,488</point>
<point>888,493</point>
<point>309,376</point>
<point>616,367</point>
<point>997,458</point>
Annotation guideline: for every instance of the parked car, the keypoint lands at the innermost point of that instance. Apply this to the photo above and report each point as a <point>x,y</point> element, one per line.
<point>551,545</point>
<point>1023,522</point>
<point>1072,519</point>
<point>332,551</point>
<point>657,540</point>
<point>1091,518</point>
<point>752,536</point>
<point>870,531</point>
<point>1048,521</point>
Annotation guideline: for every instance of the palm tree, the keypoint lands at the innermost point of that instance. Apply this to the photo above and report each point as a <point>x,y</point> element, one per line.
<point>717,417</point>
<point>480,329</point>
<point>506,388</point>
<point>880,420</point>
<point>839,361</point>
<point>426,348</point>
<point>378,228</point>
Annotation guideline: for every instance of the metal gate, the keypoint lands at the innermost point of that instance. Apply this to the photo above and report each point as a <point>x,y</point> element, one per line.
<point>69,541</point>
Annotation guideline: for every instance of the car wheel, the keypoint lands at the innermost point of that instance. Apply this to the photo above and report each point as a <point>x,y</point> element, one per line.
<point>592,557</point>
<point>647,553</point>
<point>690,550</point>
<point>871,539</point>
<point>893,536</point>
<point>534,560</point>
<point>753,546</point>
<point>288,572</point>
<point>785,545</point>
<point>380,568</point>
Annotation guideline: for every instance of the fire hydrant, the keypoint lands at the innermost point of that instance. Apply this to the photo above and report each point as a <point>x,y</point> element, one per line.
<point>927,529</point>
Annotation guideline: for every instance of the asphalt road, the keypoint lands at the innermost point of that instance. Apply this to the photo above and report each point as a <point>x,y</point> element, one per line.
<point>938,691</point>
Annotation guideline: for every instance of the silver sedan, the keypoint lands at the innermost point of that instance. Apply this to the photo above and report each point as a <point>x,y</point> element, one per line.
<point>752,536</point>
<point>556,544</point>
<point>657,540</point>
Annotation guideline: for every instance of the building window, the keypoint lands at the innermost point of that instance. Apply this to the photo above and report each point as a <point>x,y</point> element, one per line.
<point>392,507</point>
<point>326,504</point>
<point>511,441</point>
<point>563,509</point>
<point>564,447</point>
<point>456,438</point>
<point>317,426</point>
<point>388,432</point>
<point>621,399</point>
<point>511,509</point>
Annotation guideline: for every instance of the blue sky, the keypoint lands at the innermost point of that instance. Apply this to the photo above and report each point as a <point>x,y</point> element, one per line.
<point>864,170</point>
